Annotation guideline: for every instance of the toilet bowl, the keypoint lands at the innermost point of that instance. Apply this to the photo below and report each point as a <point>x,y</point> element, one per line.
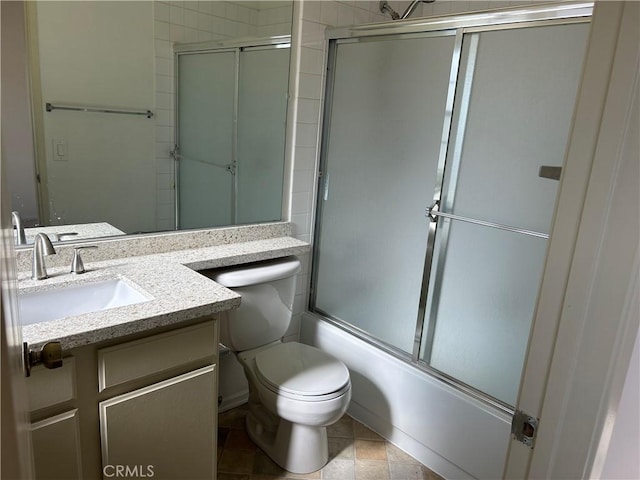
<point>295,390</point>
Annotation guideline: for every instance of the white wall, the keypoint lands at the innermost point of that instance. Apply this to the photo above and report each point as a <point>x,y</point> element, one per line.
<point>87,57</point>
<point>17,137</point>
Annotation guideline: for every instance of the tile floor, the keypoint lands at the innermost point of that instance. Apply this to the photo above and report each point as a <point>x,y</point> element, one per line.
<point>355,453</point>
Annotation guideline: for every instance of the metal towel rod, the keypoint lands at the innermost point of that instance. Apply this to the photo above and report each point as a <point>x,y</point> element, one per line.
<point>50,107</point>
<point>432,212</point>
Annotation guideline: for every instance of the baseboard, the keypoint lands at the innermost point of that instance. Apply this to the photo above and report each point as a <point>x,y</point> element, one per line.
<point>233,401</point>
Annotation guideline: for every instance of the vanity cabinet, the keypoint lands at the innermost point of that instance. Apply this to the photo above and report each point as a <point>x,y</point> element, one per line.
<point>145,407</point>
<point>55,437</point>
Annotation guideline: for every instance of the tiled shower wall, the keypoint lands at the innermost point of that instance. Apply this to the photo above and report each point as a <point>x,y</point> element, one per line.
<point>312,17</point>
<point>195,22</point>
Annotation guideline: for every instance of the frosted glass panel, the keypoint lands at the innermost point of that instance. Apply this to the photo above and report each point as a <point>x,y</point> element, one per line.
<point>520,110</point>
<point>206,93</point>
<point>488,290</point>
<point>262,116</point>
<point>486,280</point>
<point>387,116</point>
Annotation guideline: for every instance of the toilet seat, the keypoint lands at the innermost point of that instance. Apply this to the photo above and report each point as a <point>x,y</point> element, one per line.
<point>301,372</point>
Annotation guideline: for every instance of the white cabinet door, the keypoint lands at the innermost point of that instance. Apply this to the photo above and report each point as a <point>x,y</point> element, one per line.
<point>56,447</point>
<point>166,430</point>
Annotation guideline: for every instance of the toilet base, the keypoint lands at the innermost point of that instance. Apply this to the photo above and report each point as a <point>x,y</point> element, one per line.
<point>296,448</point>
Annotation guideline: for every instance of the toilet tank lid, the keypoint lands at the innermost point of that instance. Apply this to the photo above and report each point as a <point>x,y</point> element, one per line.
<point>254,273</point>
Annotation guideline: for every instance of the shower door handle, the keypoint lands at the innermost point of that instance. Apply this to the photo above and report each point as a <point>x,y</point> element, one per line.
<point>433,213</point>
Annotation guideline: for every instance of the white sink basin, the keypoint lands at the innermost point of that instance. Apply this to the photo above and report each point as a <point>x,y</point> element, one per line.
<point>48,305</point>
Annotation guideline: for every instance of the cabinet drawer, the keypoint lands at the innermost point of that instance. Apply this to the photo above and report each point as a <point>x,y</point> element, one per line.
<point>50,387</point>
<point>156,354</point>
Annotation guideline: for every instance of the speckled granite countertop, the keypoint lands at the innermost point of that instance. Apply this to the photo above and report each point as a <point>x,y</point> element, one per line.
<point>178,293</point>
<point>81,231</point>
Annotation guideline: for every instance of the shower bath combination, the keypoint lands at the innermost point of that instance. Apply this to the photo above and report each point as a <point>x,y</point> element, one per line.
<point>386,8</point>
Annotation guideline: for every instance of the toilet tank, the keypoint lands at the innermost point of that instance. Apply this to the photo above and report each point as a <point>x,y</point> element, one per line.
<point>265,312</point>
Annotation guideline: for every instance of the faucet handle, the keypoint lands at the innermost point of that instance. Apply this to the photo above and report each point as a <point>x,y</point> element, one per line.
<point>77,266</point>
<point>57,237</point>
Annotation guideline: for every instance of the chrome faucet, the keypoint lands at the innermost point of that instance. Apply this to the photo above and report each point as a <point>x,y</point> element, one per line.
<point>41,246</point>
<point>21,238</point>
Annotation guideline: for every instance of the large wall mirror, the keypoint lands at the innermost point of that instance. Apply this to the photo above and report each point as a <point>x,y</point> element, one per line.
<point>96,96</point>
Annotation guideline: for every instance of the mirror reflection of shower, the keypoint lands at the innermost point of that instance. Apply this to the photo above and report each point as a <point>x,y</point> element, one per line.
<point>386,8</point>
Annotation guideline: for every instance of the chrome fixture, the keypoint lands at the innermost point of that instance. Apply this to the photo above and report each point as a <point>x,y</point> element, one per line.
<point>77,108</point>
<point>57,237</point>
<point>433,212</point>
<point>77,266</point>
<point>21,238</point>
<point>42,247</point>
<point>386,8</point>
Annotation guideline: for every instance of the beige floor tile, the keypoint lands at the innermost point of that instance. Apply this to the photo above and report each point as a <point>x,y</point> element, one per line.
<point>305,476</point>
<point>263,465</point>
<point>370,450</point>
<point>355,453</point>
<point>233,476</point>
<point>340,448</point>
<point>372,470</point>
<point>343,428</point>
<point>339,470</point>
<point>405,471</point>
<point>236,461</point>
<point>238,439</point>
<point>364,432</point>
<point>430,475</point>
<point>233,418</point>
<point>394,454</point>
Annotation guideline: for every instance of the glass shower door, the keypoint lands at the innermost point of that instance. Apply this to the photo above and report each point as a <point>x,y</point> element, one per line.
<point>511,123</point>
<point>382,149</point>
<point>262,119</point>
<point>206,113</point>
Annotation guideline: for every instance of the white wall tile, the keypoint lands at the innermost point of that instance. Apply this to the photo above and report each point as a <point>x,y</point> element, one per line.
<point>161,11</point>
<point>305,158</point>
<point>303,181</point>
<point>310,86</point>
<point>176,15</point>
<point>329,13</point>
<point>164,180</point>
<point>164,84</point>
<point>307,135</point>
<point>190,34</point>
<point>204,36</point>
<point>231,11</point>
<point>205,7</point>
<point>163,48</point>
<point>308,111</point>
<point>164,133</point>
<point>163,66</point>
<point>164,117</point>
<point>204,22</point>
<point>345,15</point>
<point>163,149</point>
<point>190,19</point>
<point>161,30</point>
<point>191,5</point>
<point>311,60</point>
<point>300,202</point>
<point>164,166</point>
<point>177,33</point>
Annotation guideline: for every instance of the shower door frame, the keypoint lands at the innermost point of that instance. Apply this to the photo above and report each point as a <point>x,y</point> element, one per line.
<point>236,46</point>
<point>458,25</point>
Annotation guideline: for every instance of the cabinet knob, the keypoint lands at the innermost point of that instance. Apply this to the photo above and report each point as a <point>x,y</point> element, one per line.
<point>50,355</point>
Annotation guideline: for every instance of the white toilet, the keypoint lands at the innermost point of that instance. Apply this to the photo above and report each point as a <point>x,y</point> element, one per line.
<point>295,390</point>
